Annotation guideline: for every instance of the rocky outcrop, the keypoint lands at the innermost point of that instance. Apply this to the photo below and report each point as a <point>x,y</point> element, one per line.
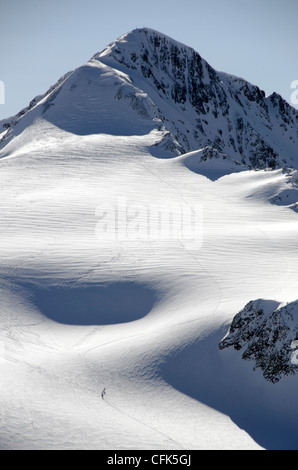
<point>266,334</point>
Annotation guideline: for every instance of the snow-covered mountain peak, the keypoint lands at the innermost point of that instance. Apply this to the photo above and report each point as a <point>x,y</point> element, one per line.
<point>158,58</point>
<point>145,81</point>
<point>137,40</point>
<point>209,108</point>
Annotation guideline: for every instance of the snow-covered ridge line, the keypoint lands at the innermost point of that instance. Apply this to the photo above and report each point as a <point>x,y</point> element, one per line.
<point>195,105</point>
<point>6,124</point>
<point>215,108</point>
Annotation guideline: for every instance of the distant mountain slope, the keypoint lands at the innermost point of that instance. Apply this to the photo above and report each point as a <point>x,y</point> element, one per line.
<point>146,80</point>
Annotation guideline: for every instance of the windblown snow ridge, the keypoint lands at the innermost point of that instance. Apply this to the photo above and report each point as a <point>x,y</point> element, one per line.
<point>9,123</point>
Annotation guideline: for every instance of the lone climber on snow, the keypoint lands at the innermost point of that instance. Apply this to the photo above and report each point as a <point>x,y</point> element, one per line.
<point>103,393</point>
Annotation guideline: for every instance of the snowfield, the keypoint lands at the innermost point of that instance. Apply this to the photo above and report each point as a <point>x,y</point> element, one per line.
<point>91,299</point>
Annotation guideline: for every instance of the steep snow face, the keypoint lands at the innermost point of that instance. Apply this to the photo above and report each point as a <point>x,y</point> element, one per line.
<point>148,78</point>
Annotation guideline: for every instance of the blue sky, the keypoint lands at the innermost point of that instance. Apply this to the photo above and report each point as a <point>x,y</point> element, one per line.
<point>41,40</point>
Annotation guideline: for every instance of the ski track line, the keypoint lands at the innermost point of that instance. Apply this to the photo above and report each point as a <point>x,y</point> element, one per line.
<point>125,339</point>
<point>147,425</point>
<point>114,406</point>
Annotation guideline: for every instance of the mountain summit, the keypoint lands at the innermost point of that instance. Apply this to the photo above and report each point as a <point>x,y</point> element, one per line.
<point>145,81</point>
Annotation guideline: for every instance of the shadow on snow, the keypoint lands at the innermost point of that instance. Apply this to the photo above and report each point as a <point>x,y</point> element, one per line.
<point>93,304</point>
<point>224,381</point>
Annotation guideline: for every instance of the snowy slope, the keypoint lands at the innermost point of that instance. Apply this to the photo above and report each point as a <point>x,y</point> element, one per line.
<point>108,282</point>
<point>173,88</point>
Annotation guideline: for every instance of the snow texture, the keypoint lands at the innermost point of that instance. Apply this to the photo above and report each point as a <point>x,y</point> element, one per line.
<point>88,303</point>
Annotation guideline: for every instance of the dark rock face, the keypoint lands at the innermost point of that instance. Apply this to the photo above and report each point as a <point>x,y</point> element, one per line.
<point>266,336</point>
<point>215,109</point>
